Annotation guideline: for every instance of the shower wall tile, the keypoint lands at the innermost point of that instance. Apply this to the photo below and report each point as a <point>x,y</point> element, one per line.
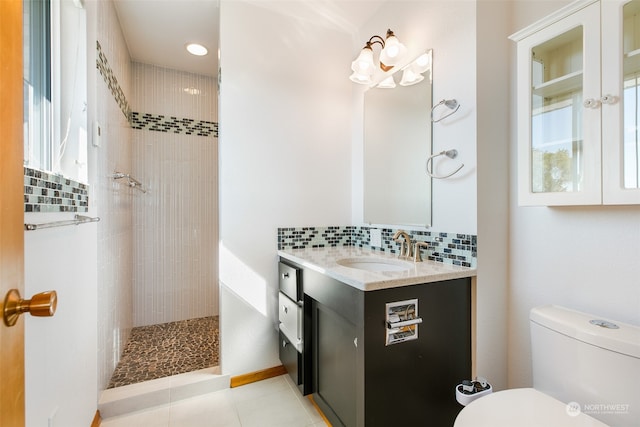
<point>175,222</point>
<point>113,200</point>
<point>172,93</point>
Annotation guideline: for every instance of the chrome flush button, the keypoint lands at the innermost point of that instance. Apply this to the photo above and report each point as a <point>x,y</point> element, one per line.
<point>604,324</point>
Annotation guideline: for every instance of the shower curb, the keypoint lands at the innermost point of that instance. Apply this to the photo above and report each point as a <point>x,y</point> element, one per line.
<point>162,391</point>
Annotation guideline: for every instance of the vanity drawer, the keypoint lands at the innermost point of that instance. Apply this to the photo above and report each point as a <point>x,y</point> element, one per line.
<point>290,358</point>
<point>290,281</point>
<point>290,316</point>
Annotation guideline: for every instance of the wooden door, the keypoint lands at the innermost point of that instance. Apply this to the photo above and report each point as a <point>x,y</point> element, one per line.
<point>11,210</point>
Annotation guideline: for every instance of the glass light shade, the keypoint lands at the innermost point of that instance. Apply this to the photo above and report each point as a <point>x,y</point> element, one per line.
<point>422,63</point>
<point>387,83</point>
<point>410,77</point>
<point>393,51</point>
<point>362,79</point>
<point>363,64</point>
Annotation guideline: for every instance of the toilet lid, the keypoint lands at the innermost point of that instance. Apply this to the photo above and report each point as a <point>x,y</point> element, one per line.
<point>522,407</point>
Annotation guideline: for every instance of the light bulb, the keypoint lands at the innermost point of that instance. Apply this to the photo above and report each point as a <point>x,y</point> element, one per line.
<point>393,51</point>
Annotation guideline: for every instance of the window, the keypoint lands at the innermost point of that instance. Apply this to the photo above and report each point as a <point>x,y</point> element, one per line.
<point>37,84</point>
<point>55,88</point>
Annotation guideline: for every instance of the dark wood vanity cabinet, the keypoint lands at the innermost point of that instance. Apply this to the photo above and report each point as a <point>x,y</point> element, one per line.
<point>357,380</point>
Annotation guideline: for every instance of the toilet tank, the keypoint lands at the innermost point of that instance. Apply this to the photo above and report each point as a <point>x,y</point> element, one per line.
<point>594,365</point>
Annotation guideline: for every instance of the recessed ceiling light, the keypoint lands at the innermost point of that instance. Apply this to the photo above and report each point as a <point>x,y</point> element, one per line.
<point>196,49</point>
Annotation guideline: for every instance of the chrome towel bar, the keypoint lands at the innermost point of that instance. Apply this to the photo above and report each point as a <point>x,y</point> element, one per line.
<point>78,219</point>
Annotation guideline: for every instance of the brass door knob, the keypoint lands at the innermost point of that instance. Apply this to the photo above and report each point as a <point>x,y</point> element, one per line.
<point>43,304</point>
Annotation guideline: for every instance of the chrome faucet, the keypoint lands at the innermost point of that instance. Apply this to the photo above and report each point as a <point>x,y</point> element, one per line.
<point>405,244</point>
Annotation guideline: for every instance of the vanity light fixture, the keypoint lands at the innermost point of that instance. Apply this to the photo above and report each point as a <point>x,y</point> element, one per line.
<point>410,77</point>
<point>387,83</point>
<point>413,73</point>
<point>363,66</point>
<point>196,49</point>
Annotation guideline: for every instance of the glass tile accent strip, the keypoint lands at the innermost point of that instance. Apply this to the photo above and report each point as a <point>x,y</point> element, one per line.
<point>448,248</point>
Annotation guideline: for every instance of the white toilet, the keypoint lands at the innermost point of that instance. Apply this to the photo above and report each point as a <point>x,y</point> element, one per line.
<point>585,373</point>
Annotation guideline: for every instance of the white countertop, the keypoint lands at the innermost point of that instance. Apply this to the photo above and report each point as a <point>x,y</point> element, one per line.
<point>325,261</point>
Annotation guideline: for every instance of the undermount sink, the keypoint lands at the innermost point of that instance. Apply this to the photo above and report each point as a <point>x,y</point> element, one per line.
<point>375,264</point>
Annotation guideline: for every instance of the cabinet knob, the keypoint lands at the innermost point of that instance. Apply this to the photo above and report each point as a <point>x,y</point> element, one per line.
<point>609,99</point>
<point>285,275</point>
<point>591,103</point>
<point>355,341</point>
<point>284,343</point>
<point>285,309</point>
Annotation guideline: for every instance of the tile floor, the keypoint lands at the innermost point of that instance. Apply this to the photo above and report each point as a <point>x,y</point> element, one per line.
<point>167,349</point>
<point>275,402</point>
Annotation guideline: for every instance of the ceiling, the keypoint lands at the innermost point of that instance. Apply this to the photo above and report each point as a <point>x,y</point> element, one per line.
<point>156,31</point>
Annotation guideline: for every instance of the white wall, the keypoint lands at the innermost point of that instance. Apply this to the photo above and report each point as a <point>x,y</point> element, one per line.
<point>60,382</point>
<point>585,258</point>
<point>492,109</point>
<point>285,153</point>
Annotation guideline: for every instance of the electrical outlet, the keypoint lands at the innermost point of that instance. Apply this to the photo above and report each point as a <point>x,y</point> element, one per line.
<point>376,237</point>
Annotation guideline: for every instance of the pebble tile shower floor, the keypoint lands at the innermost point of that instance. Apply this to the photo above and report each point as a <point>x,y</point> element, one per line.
<point>167,349</point>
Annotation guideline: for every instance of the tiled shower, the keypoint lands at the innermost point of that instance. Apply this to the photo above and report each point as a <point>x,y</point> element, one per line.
<point>175,222</point>
<point>157,249</point>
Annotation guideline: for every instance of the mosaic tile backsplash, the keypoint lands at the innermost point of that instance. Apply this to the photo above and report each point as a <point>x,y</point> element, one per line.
<point>46,192</point>
<point>449,248</point>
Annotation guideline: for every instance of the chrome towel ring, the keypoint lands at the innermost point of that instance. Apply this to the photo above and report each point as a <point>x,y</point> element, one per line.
<point>451,104</point>
<point>452,154</point>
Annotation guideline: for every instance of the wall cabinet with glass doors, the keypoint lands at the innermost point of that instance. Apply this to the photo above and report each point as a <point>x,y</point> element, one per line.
<point>579,106</point>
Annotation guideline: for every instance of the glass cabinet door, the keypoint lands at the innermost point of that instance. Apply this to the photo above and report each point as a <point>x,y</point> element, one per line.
<point>556,114</point>
<point>621,101</point>
<point>559,160</point>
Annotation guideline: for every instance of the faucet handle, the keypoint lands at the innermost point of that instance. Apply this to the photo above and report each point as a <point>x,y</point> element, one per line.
<point>403,243</point>
<point>417,255</point>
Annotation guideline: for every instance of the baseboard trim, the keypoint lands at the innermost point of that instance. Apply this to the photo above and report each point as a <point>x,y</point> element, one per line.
<point>315,405</point>
<point>253,377</point>
<point>97,419</point>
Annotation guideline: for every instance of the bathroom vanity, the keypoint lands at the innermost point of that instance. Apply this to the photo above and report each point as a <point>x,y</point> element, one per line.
<point>384,341</point>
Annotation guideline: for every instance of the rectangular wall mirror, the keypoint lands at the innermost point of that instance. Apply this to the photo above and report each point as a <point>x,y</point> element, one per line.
<point>397,142</point>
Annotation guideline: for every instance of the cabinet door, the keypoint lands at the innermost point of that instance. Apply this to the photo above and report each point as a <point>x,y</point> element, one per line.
<point>559,125</point>
<point>335,365</point>
<point>621,101</point>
